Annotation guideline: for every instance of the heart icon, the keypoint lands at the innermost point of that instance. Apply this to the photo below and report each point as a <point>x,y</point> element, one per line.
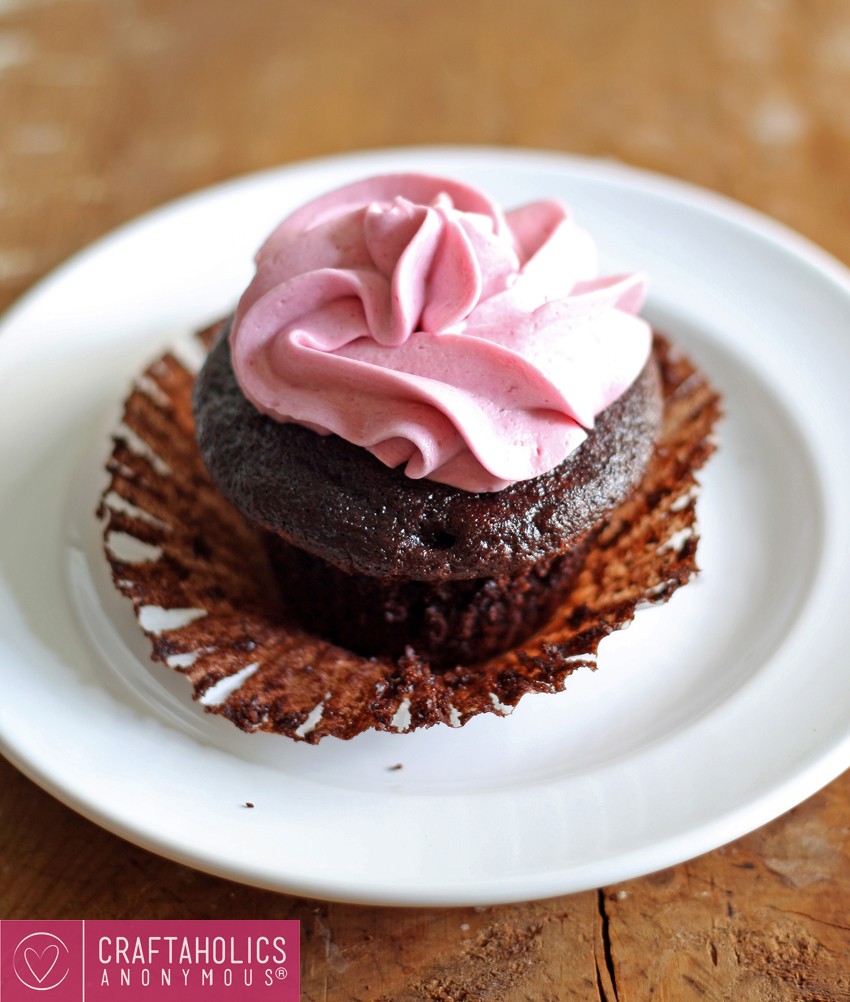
<point>41,962</point>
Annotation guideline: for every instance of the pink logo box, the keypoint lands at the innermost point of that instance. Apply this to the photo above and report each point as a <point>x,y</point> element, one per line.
<point>128,961</point>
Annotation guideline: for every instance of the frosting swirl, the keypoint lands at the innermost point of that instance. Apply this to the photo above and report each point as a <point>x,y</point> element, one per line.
<point>409,315</point>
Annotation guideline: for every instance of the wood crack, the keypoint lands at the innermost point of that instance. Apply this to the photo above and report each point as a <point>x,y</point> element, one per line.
<point>607,953</point>
<point>814,918</point>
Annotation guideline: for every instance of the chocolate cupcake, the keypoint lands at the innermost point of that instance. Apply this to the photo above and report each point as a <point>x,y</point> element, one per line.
<point>429,465</point>
<point>225,627</point>
<point>429,407</point>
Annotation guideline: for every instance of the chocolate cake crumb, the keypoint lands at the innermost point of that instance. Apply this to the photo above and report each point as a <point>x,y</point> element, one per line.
<point>292,681</point>
<point>498,960</point>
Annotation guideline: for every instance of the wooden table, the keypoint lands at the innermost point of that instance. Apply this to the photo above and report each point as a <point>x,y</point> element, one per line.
<point>110,107</point>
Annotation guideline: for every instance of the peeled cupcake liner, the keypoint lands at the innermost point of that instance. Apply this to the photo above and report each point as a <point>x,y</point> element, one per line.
<point>202,590</point>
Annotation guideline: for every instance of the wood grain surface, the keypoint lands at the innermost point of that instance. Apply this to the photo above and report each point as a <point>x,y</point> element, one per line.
<point>111,107</point>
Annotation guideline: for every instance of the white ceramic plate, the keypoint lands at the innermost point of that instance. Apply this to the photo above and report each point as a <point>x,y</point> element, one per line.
<point>707,718</point>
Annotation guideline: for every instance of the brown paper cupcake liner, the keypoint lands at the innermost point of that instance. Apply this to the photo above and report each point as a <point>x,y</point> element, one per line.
<point>202,590</point>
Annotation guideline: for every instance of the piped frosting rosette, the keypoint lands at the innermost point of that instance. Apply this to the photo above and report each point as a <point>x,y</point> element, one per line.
<point>411,316</point>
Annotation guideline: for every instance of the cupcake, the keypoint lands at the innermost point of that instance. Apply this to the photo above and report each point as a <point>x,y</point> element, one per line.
<point>428,464</point>
<point>429,406</point>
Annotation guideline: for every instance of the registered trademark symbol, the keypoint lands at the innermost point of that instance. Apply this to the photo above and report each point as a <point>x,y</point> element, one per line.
<point>280,973</point>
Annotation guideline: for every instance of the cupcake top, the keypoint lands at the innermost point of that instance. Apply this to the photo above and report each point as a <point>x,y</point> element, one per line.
<point>410,316</point>
<point>338,502</point>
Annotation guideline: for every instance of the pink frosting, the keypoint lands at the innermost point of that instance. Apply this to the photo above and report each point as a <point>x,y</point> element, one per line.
<point>411,316</point>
